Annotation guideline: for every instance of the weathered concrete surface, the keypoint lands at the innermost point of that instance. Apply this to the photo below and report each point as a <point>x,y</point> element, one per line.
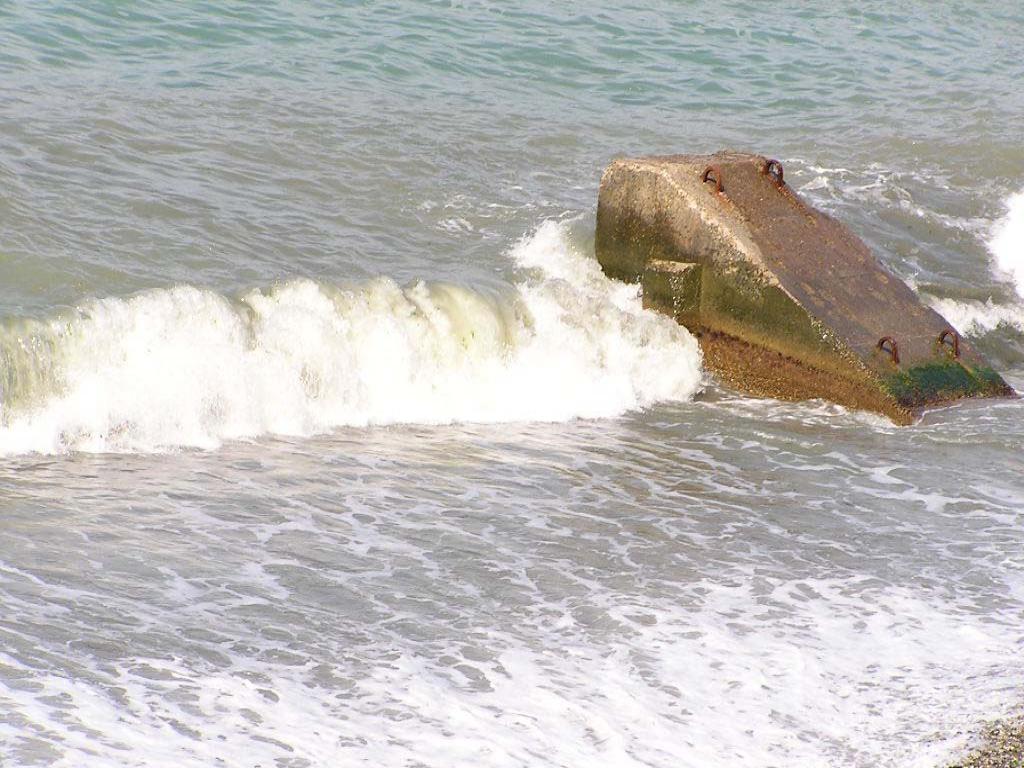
<point>786,301</point>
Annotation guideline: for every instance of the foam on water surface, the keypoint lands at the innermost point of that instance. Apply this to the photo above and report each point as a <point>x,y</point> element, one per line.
<point>976,318</point>
<point>1004,241</point>
<point>1007,242</point>
<point>842,676</point>
<point>629,596</point>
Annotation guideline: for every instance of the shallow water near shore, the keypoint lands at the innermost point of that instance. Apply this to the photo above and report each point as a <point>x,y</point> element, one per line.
<point>323,441</point>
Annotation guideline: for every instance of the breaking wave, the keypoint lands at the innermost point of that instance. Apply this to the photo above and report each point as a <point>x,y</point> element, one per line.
<point>976,318</point>
<point>185,366</point>
<point>1007,242</point>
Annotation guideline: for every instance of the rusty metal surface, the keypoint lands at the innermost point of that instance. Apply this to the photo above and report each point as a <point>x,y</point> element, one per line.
<point>954,338</point>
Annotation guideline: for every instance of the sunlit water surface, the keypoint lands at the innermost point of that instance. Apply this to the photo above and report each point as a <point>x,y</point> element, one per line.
<point>324,442</point>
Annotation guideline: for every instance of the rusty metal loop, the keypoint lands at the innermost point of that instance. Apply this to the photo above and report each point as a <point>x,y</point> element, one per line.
<point>894,350</point>
<point>773,168</point>
<point>951,333</point>
<point>713,172</point>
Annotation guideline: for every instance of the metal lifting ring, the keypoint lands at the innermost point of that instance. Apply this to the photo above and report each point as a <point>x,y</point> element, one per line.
<point>773,168</point>
<point>951,333</point>
<point>713,172</point>
<point>894,350</point>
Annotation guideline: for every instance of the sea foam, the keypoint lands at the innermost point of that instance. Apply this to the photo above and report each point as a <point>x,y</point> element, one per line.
<point>1007,242</point>
<point>976,318</point>
<point>185,366</point>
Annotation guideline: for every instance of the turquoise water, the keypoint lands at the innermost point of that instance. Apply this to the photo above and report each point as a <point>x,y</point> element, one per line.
<point>234,145</point>
<point>324,442</point>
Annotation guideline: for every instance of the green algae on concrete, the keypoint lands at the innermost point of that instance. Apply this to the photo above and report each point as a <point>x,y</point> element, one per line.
<point>673,288</point>
<point>941,382</point>
<point>785,300</point>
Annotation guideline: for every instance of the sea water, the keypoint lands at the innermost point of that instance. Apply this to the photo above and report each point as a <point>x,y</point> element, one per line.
<point>325,442</point>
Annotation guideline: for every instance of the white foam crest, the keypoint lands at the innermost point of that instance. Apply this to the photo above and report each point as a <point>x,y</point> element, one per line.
<point>187,367</point>
<point>975,318</point>
<point>1007,242</point>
